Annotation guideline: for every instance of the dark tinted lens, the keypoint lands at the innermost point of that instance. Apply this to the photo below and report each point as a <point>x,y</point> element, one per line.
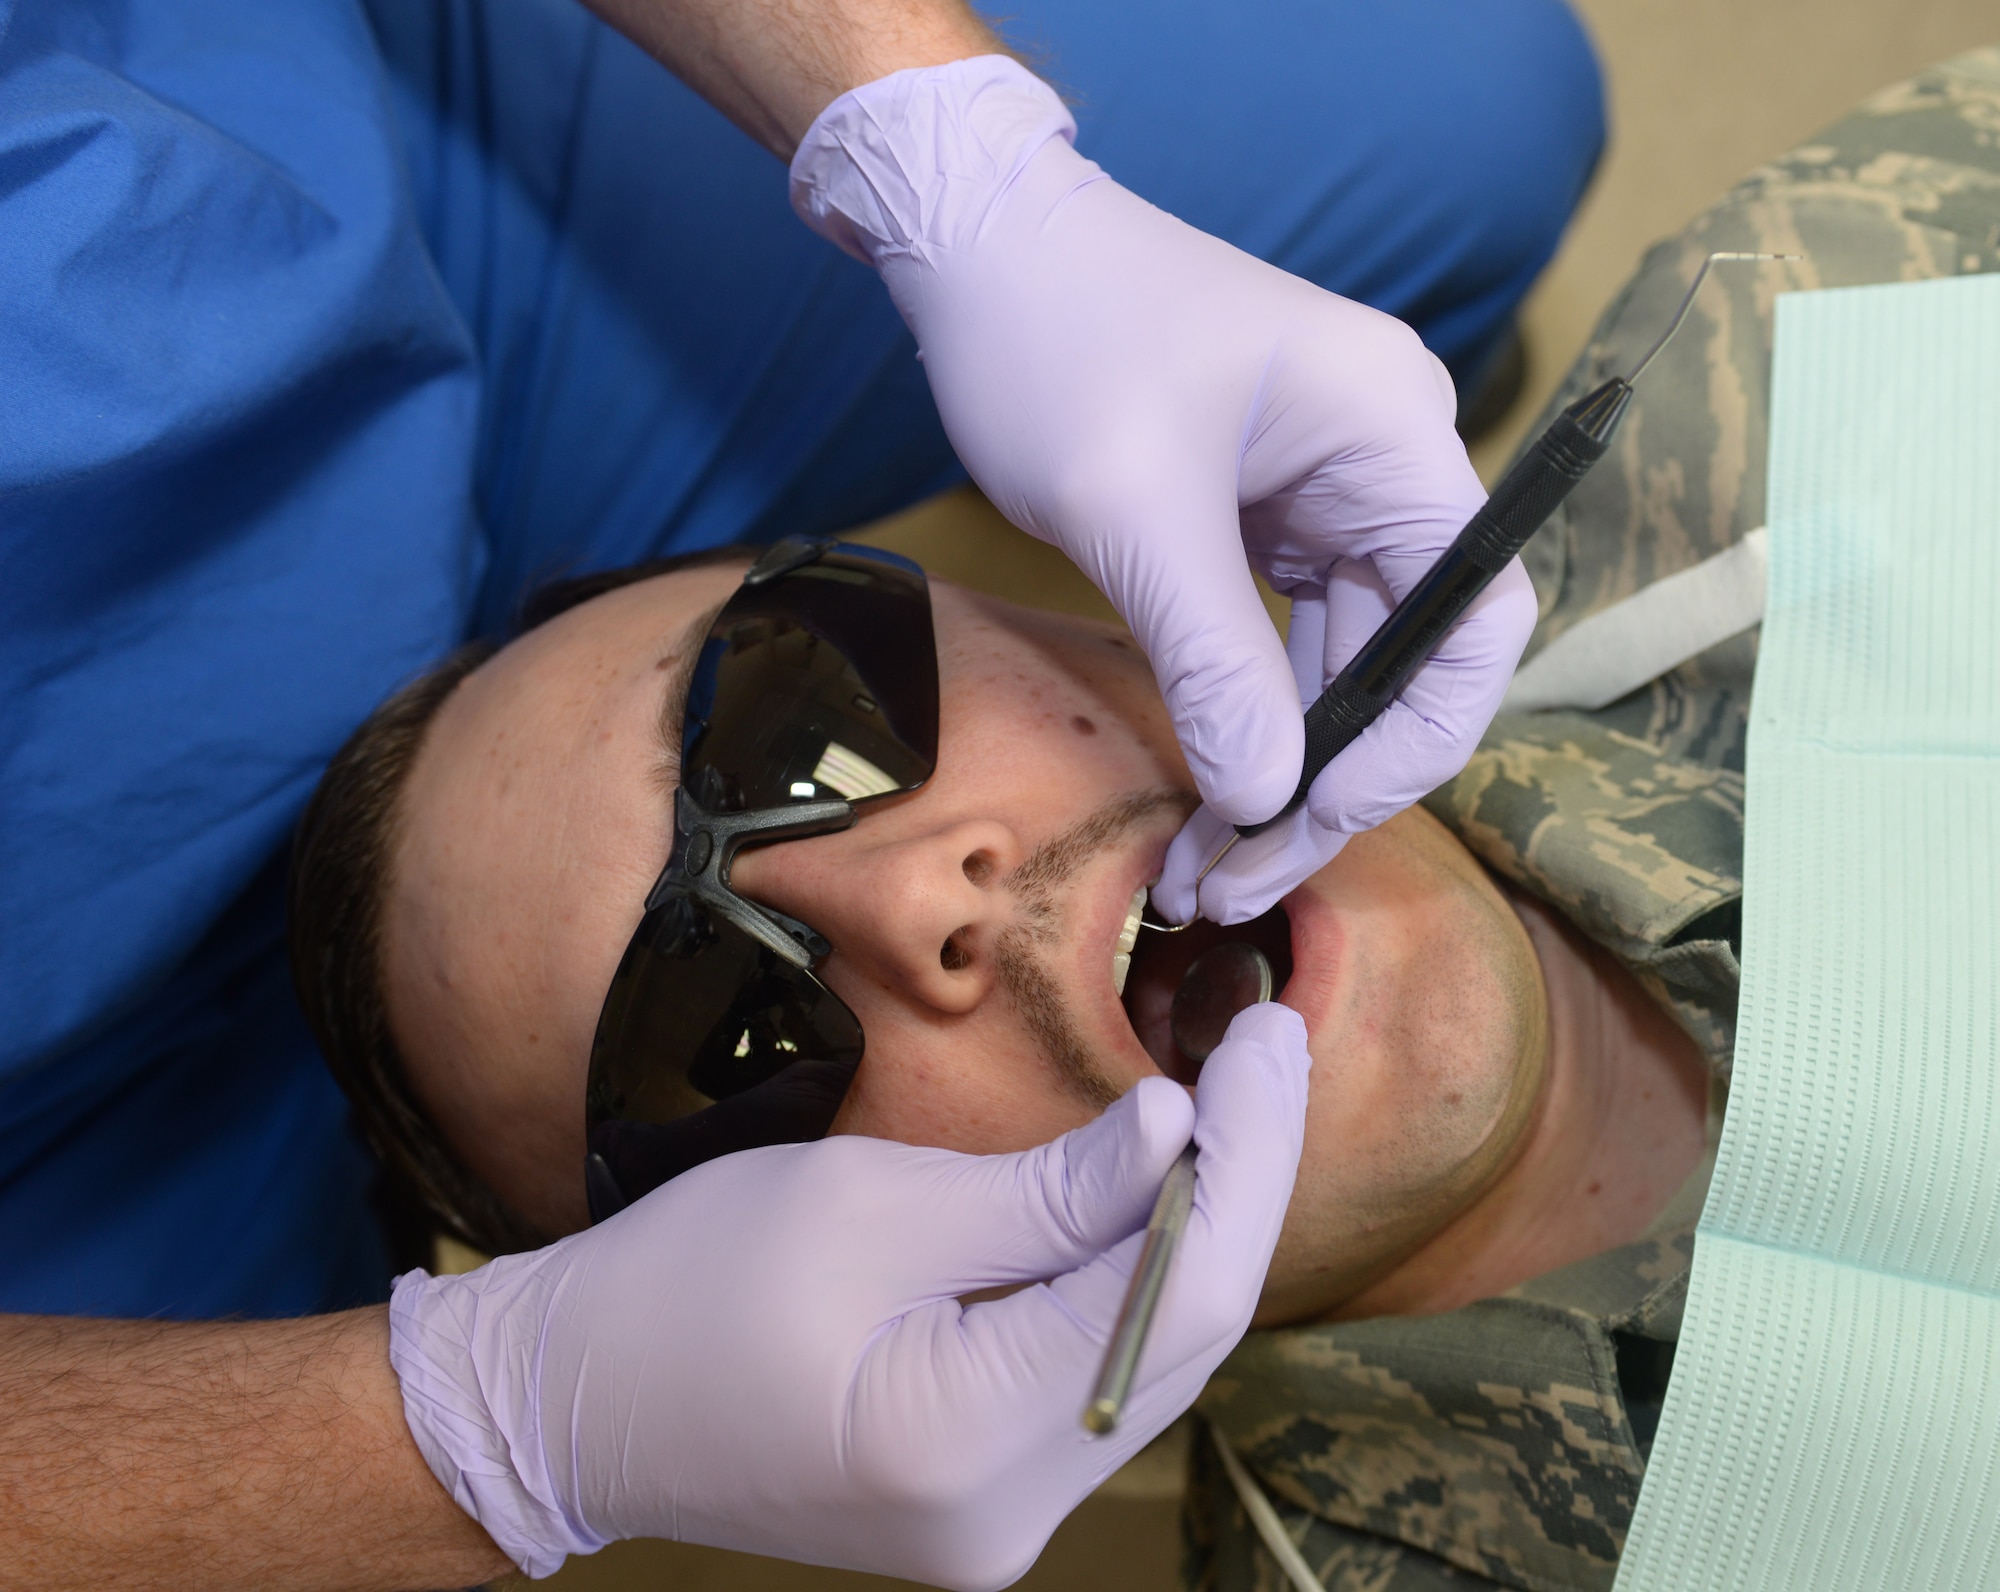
<point>820,683</point>
<point>700,1012</point>
<point>794,1106</point>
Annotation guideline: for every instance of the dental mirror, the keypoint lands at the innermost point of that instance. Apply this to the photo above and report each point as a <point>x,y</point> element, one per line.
<point>1217,985</point>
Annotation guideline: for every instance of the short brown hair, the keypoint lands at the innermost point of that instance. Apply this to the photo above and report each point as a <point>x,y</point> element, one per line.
<point>342,854</point>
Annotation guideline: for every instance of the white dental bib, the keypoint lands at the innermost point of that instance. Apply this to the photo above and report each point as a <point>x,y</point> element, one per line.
<point>1834,1415</point>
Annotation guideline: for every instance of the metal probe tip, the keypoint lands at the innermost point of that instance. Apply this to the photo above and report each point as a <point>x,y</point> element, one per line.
<point>1694,287</point>
<point>1208,867</point>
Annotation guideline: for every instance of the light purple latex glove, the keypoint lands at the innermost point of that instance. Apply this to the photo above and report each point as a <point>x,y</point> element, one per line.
<point>769,1353</point>
<point>1156,402</point>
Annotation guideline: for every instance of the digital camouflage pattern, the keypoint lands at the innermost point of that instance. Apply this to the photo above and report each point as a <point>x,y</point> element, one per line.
<point>1500,1438</point>
<point>1504,1443</point>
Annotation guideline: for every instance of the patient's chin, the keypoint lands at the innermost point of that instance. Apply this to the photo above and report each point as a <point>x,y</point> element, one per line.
<point>1317,1270</point>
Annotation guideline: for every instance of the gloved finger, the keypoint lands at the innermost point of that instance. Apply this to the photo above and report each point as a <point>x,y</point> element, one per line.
<point>1018,1371</point>
<point>1179,893</point>
<point>1204,834</point>
<point>1000,1417</point>
<point>998,1219</point>
<point>1391,517</point>
<point>1305,641</point>
<point>1398,484</point>
<point>1357,600</point>
<point>1249,1130</point>
<point>1181,582</point>
<point>1260,872</point>
<point>1432,727</point>
<point>1423,739</point>
<point>1487,638</point>
<point>1253,875</point>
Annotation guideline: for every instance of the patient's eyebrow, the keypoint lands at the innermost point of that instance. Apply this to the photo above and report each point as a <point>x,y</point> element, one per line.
<point>678,662</point>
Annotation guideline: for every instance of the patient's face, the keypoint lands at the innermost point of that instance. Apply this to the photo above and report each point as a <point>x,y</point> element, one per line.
<point>973,925</point>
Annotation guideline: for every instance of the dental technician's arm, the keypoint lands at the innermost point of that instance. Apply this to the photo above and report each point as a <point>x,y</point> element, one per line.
<point>771,66</point>
<point>267,1455</point>
<point>1169,411</point>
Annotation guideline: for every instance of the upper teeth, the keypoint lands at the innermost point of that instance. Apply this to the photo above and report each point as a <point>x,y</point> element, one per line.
<point>1128,936</point>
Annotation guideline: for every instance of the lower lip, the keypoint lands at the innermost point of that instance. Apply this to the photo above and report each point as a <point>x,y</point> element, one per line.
<point>1316,947</point>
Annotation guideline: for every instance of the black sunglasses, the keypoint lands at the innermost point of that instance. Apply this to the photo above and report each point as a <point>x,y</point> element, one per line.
<point>815,693</point>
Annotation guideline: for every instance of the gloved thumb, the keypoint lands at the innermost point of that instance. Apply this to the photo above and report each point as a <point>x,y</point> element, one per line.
<point>1177,573</point>
<point>1005,1219</point>
<point>1250,1129</point>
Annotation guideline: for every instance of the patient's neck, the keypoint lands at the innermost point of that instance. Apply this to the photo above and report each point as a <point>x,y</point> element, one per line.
<point>1620,1125</point>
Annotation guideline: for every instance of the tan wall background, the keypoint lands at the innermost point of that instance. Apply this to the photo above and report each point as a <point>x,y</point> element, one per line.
<point>1701,91</point>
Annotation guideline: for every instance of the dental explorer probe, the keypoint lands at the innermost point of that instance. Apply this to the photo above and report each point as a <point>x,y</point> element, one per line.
<point>1526,496</point>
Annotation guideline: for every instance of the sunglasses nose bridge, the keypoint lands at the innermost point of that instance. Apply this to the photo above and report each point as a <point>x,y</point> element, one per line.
<point>706,844</point>
<point>818,678</point>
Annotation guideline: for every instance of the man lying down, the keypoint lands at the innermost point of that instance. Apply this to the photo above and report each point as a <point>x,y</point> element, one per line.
<point>1491,1097</point>
<point>1515,999</point>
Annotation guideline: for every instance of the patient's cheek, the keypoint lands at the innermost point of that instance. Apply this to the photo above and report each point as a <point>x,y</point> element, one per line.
<point>974,1098</point>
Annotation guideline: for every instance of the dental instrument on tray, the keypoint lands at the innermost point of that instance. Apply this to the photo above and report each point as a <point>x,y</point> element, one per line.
<point>1526,496</point>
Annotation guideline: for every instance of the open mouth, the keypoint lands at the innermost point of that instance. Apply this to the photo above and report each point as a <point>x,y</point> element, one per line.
<point>1159,963</point>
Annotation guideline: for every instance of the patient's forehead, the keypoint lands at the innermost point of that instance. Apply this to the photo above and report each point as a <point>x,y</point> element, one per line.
<point>535,820</point>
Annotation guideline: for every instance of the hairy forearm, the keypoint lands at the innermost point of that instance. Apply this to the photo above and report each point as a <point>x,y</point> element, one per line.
<point>771,66</point>
<point>268,1455</point>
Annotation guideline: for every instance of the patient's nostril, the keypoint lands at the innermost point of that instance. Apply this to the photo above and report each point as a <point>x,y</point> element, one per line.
<point>953,957</point>
<point>978,867</point>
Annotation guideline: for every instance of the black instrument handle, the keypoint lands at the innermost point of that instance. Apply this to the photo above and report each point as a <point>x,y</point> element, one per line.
<point>1526,496</point>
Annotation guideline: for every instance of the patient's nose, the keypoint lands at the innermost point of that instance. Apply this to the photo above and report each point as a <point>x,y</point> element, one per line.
<point>918,912</point>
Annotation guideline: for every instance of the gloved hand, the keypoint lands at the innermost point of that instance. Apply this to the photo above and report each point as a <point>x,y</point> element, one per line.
<point>769,1352</point>
<point>1155,402</point>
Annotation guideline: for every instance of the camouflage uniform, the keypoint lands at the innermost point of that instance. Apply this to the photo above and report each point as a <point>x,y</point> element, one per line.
<point>1504,1442</point>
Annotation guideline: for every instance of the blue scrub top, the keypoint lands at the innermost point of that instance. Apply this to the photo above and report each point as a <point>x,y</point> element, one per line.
<point>325,333</point>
